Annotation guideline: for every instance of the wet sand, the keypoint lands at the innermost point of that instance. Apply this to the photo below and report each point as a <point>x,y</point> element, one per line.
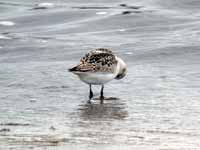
<point>43,106</point>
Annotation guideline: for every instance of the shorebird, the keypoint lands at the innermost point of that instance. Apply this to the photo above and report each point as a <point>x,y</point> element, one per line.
<point>98,67</point>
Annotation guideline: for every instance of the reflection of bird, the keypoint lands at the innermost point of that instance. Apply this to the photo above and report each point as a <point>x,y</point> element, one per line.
<point>113,110</point>
<point>99,67</point>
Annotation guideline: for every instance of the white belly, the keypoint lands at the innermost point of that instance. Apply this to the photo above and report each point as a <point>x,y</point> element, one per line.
<point>96,78</point>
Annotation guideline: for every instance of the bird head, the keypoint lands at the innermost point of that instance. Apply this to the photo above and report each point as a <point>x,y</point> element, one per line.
<point>122,69</point>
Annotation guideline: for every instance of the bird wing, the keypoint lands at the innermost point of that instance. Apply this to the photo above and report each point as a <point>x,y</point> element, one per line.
<point>99,60</point>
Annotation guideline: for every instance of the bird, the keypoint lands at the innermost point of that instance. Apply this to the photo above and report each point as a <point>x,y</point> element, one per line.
<point>98,67</point>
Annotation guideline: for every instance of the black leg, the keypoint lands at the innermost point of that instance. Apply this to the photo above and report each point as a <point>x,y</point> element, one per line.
<point>90,94</point>
<point>101,94</point>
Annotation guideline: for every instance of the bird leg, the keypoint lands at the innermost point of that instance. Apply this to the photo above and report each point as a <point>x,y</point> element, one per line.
<point>90,94</point>
<point>101,94</point>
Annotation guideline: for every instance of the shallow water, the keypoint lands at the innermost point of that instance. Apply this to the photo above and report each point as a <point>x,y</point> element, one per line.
<point>156,106</point>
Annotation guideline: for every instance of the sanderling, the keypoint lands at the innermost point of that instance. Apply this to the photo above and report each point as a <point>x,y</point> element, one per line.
<point>99,67</point>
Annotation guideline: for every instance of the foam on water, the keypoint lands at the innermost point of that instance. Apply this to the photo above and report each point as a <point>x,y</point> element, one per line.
<point>44,5</point>
<point>122,30</point>
<point>4,37</point>
<point>101,13</point>
<point>7,23</point>
<point>47,5</point>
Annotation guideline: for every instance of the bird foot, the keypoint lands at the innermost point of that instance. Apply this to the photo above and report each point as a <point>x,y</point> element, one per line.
<point>101,99</point>
<point>89,102</point>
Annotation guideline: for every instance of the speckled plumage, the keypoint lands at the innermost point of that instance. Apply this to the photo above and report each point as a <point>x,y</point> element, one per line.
<point>98,67</point>
<point>99,60</point>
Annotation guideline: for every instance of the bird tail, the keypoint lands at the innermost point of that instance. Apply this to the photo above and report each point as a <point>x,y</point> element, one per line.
<point>79,69</point>
<point>73,69</point>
